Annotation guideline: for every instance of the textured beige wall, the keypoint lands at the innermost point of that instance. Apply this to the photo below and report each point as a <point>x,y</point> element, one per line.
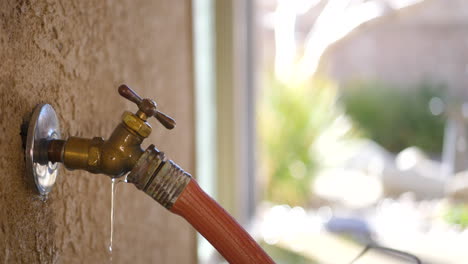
<point>73,55</point>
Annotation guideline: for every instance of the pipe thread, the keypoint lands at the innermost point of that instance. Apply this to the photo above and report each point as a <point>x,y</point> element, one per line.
<point>161,179</point>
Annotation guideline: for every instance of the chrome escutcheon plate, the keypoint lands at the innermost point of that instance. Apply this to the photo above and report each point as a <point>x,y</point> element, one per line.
<point>43,126</point>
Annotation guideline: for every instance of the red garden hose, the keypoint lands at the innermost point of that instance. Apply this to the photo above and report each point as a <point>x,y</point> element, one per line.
<point>218,227</point>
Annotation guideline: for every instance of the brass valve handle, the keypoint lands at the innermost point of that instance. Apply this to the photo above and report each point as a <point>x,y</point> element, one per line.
<point>146,106</point>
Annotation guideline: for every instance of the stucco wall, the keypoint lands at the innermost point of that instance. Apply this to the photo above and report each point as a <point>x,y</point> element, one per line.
<point>73,55</point>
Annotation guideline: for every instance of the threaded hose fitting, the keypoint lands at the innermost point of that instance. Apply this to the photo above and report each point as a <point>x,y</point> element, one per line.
<point>161,179</point>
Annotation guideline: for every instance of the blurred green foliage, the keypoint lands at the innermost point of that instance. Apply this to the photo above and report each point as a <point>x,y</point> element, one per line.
<point>284,256</point>
<point>457,215</point>
<point>396,117</point>
<point>291,118</point>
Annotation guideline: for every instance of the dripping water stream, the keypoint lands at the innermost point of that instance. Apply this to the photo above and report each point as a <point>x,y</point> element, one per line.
<point>114,183</point>
<point>112,214</point>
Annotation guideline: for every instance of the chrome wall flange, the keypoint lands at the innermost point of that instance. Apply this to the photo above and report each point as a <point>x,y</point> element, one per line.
<point>43,126</point>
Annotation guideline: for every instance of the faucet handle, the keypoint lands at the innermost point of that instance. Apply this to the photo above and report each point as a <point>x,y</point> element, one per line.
<point>167,121</point>
<point>146,106</point>
<point>129,94</point>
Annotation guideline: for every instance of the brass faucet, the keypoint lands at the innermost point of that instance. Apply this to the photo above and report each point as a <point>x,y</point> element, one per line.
<point>149,169</point>
<point>117,155</point>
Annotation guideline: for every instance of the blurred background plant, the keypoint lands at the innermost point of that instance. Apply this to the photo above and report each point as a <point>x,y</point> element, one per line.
<point>281,255</point>
<point>397,117</point>
<point>292,117</point>
<point>457,215</point>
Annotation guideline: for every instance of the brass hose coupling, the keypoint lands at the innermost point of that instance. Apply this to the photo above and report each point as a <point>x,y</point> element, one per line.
<point>161,179</point>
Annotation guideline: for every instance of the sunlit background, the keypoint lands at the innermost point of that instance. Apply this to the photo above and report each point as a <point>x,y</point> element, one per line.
<point>360,112</point>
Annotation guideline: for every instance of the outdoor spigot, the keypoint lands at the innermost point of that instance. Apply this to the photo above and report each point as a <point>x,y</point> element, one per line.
<point>148,170</point>
<point>114,157</point>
